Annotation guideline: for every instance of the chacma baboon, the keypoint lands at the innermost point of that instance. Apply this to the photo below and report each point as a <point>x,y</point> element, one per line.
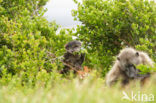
<point>124,66</point>
<point>72,59</point>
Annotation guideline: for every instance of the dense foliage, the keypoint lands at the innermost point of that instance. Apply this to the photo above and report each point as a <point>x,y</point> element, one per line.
<point>31,48</point>
<point>28,42</point>
<point>109,25</point>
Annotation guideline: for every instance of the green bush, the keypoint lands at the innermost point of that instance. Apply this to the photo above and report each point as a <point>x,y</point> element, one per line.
<point>30,48</point>
<point>109,25</point>
<point>28,42</point>
<point>146,69</point>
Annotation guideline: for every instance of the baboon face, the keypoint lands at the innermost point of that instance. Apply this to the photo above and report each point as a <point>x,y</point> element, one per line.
<point>131,71</point>
<point>129,58</point>
<point>73,46</point>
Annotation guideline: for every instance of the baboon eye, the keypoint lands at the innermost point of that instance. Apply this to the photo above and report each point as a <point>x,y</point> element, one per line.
<point>118,58</point>
<point>137,54</point>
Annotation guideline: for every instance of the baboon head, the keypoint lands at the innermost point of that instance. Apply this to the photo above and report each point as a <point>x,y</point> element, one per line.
<point>128,58</point>
<point>73,46</point>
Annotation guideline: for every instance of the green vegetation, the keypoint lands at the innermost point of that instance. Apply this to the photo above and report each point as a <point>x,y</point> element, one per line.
<point>89,90</point>
<point>30,50</point>
<point>109,25</point>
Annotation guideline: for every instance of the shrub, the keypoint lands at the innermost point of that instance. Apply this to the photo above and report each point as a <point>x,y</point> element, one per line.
<point>26,38</point>
<point>109,25</point>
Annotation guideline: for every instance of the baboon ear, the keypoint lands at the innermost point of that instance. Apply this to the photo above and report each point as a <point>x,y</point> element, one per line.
<point>137,53</point>
<point>118,58</point>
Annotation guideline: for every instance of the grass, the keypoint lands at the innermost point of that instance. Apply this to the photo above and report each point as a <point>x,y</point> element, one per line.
<point>90,90</point>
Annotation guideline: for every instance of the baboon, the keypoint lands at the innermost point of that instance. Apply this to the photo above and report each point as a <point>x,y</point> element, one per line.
<point>72,59</point>
<point>125,69</point>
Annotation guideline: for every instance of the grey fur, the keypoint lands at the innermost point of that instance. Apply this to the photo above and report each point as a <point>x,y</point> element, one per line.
<point>124,66</point>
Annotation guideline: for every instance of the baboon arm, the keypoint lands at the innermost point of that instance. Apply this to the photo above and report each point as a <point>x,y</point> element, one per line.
<point>146,59</point>
<point>112,76</point>
<point>82,57</point>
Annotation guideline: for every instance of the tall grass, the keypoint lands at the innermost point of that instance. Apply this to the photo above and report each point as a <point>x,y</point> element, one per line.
<point>92,89</point>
